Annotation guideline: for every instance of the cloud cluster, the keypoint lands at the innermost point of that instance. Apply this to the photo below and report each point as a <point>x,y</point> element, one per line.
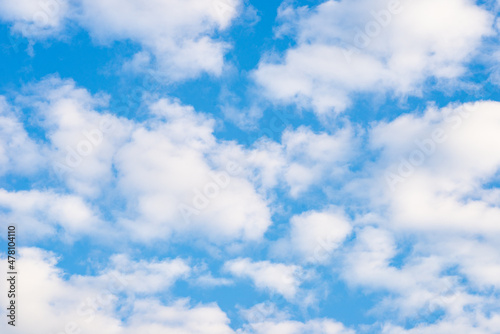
<point>405,209</point>
<point>426,220</point>
<point>302,159</point>
<point>178,38</point>
<point>435,175</point>
<point>59,304</point>
<point>346,47</point>
<point>429,235</point>
<point>55,304</point>
<point>168,178</point>
<point>152,179</point>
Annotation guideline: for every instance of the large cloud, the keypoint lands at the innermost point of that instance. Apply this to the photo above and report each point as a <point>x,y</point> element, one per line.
<point>432,192</point>
<point>94,304</point>
<point>434,169</point>
<point>35,18</point>
<point>174,183</point>
<point>177,33</point>
<point>177,37</point>
<point>346,47</point>
<point>82,137</point>
<point>115,301</point>
<point>151,179</point>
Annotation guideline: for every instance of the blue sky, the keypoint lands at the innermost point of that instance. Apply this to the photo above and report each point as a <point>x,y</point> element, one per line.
<point>239,167</point>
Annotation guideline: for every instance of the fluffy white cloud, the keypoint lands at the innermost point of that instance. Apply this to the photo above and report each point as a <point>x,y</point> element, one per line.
<point>142,277</point>
<point>422,284</point>
<point>173,184</point>
<point>274,277</point>
<point>178,34</point>
<point>303,159</point>
<point>18,152</point>
<point>43,213</point>
<point>90,303</point>
<point>319,76</point>
<point>82,139</point>
<point>57,303</point>
<point>314,235</point>
<point>152,317</point>
<point>177,37</point>
<point>424,202</point>
<point>169,172</point>
<point>346,47</point>
<point>434,169</point>
<point>432,179</point>
<point>35,18</point>
<point>314,157</point>
<point>431,190</point>
<point>478,261</point>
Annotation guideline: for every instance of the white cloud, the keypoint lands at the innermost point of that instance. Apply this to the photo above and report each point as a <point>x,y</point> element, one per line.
<point>303,159</point>
<point>178,37</point>
<point>147,277</point>
<point>319,76</point>
<point>18,152</point>
<point>274,277</point>
<point>209,281</point>
<point>314,235</point>
<point>436,215</point>
<point>460,325</point>
<point>204,278</point>
<point>478,261</point>
<point>266,318</point>
<point>171,178</point>
<point>346,47</point>
<point>433,169</point>
<point>90,303</point>
<point>57,303</point>
<point>169,172</point>
<point>265,311</point>
<point>82,138</point>
<point>94,303</point>
<point>417,287</point>
<point>315,157</point>
<point>314,326</point>
<point>177,33</point>
<point>43,213</point>
<point>152,317</point>
<point>53,303</point>
<point>35,18</point>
